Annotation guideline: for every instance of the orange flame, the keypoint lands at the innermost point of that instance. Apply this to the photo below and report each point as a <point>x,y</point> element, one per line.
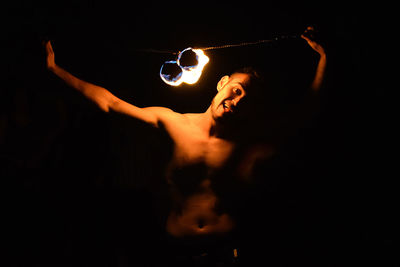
<point>189,74</point>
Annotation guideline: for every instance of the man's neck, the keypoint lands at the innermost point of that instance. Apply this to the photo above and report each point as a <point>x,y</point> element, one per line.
<point>212,127</point>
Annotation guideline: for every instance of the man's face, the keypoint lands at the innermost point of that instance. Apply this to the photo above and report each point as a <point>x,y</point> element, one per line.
<point>228,103</point>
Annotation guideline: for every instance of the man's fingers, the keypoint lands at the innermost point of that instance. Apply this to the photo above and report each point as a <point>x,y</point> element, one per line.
<point>49,48</point>
<point>309,32</point>
<point>305,38</point>
<point>45,39</point>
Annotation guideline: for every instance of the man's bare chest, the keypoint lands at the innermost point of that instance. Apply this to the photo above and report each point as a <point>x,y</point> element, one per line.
<point>212,152</point>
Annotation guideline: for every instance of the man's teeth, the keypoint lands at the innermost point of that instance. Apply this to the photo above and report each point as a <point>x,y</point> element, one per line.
<point>227,106</point>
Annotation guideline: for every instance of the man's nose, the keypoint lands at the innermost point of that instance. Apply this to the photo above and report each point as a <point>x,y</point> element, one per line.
<point>234,103</point>
<point>237,100</point>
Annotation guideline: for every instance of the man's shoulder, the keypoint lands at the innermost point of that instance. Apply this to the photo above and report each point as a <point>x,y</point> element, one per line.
<point>194,118</point>
<point>186,120</point>
<point>168,115</point>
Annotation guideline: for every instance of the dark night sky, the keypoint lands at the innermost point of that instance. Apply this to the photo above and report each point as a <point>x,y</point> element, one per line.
<point>74,176</point>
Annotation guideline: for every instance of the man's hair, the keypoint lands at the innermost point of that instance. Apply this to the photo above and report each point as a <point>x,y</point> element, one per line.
<point>248,70</point>
<point>267,86</point>
<point>266,90</point>
<point>256,79</point>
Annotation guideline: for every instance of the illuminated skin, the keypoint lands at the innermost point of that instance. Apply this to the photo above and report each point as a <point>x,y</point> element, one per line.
<point>320,73</point>
<point>198,139</point>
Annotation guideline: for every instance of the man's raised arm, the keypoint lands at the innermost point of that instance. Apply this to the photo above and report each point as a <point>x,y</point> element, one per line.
<point>321,68</point>
<point>103,98</point>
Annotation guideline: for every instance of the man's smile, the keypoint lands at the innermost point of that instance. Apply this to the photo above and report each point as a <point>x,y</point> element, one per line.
<point>227,105</point>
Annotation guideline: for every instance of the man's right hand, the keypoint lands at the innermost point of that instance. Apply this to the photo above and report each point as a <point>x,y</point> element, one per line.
<point>309,36</point>
<point>50,63</point>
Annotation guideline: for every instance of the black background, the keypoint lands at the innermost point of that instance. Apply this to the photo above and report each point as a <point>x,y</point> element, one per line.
<point>76,180</point>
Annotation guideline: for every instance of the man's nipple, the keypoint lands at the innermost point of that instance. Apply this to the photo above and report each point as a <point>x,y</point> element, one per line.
<point>201,223</point>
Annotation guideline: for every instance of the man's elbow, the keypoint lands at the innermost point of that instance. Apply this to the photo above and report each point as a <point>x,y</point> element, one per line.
<point>107,102</point>
<point>103,106</point>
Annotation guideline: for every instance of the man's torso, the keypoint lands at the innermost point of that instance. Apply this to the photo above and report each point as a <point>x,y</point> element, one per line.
<point>197,162</point>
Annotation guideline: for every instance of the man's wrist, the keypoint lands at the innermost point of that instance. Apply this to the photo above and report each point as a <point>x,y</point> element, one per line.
<point>53,68</point>
<point>322,55</point>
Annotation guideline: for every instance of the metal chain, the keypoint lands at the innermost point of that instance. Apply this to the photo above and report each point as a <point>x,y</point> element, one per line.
<point>235,45</point>
<point>251,43</point>
<point>223,46</point>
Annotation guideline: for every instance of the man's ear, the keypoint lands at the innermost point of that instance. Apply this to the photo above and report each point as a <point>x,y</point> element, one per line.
<point>222,82</point>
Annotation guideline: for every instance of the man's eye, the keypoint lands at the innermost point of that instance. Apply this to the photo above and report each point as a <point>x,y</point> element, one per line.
<point>237,91</point>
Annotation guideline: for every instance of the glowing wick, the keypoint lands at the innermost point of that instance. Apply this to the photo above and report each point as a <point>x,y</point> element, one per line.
<point>187,68</point>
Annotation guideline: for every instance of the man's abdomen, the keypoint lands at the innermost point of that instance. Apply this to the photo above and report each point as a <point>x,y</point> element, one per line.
<point>198,217</point>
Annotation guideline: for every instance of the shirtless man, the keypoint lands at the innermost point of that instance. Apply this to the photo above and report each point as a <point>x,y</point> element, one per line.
<point>204,144</point>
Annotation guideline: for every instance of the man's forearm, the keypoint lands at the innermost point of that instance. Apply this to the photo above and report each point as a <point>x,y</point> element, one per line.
<point>319,74</point>
<point>95,93</point>
<point>69,79</point>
